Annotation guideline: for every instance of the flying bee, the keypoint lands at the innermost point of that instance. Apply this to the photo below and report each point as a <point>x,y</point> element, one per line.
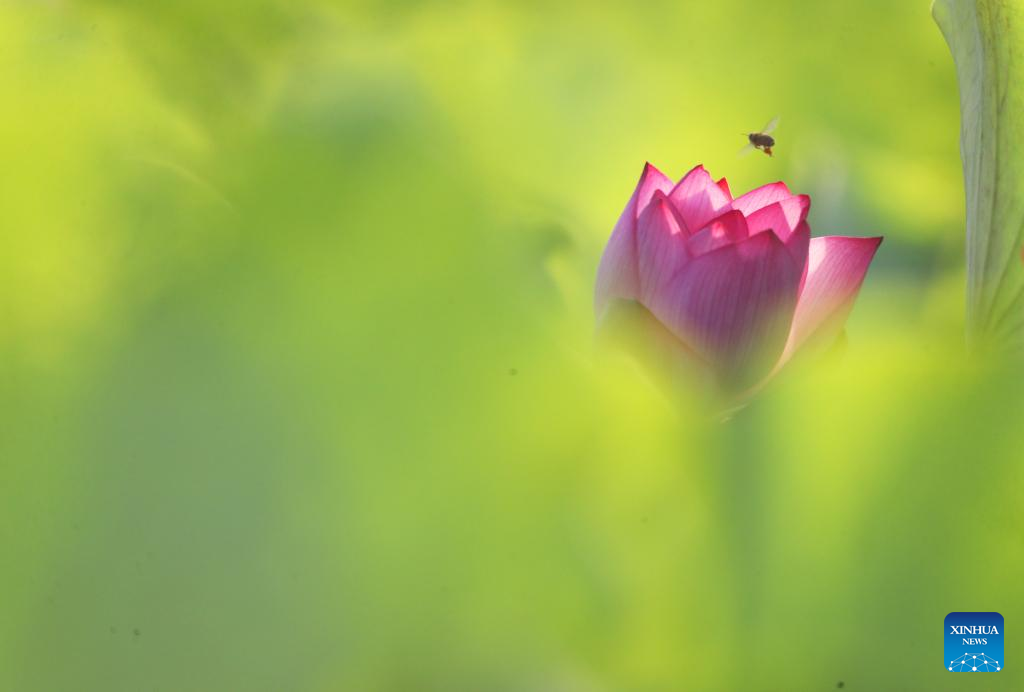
<point>761,140</point>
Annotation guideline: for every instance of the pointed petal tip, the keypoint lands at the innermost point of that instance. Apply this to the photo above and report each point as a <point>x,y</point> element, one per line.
<point>649,169</point>
<point>781,189</point>
<point>699,168</point>
<point>652,173</point>
<point>730,215</point>
<point>698,198</point>
<point>875,240</point>
<point>762,241</point>
<point>837,266</point>
<point>760,197</point>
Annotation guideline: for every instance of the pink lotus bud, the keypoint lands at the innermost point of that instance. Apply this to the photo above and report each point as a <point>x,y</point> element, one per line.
<point>738,282</point>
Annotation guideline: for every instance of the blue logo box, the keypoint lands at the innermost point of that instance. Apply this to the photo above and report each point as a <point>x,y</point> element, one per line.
<point>974,643</point>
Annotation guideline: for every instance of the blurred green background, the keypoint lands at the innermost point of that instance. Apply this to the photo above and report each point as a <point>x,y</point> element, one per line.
<point>297,376</point>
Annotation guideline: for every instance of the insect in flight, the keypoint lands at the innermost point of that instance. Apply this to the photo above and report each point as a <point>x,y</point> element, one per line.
<point>761,140</point>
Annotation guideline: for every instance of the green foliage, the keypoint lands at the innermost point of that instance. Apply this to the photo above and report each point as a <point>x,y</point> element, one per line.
<point>985,37</point>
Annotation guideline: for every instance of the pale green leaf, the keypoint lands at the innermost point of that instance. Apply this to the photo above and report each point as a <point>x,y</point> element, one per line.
<point>986,38</point>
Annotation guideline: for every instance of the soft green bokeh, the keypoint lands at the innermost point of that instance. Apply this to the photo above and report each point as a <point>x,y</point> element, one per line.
<point>297,371</point>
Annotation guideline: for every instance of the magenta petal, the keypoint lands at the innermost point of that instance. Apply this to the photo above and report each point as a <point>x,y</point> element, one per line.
<point>723,185</point>
<point>617,275</point>
<point>661,246</point>
<point>651,181</point>
<point>698,198</point>
<point>796,209</point>
<point>787,220</point>
<point>798,245</point>
<point>836,266</point>
<point>733,306</point>
<point>782,217</point>
<point>761,197</point>
<point>727,229</point>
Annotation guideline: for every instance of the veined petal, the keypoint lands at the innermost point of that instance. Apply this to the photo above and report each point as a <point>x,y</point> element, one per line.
<point>798,245</point>
<point>836,266</point>
<point>698,198</point>
<point>761,197</point>
<point>783,216</point>
<point>727,229</point>
<point>723,185</point>
<point>617,275</point>
<point>661,247</point>
<point>734,306</point>
<point>651,181</point>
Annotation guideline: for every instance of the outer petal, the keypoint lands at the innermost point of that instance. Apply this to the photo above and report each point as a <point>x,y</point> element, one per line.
<point>698,198</point>
<point>630,326</point>
<point>733,306</point>
<point>761,197</point>
<point>835,270</point>
<point>617,275</point>
<point>661,247</point>
<point>723,185</point>
<point>728,229</point>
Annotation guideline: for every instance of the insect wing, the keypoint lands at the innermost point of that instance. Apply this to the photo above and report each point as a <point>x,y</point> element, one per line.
<point>770,127</point>
<point>749,148</point>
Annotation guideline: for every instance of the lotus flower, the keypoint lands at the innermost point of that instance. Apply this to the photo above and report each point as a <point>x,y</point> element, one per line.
<point>737,285</point>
